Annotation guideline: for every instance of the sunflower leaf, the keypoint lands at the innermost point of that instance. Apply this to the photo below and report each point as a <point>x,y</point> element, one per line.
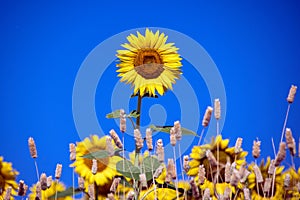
<point>65,193</point>
<point>127,169</point>
<point>133,114</point>
<point>150,164</point>
<point>166,129</point>
<point>114,114</point>
<point>97,154</point>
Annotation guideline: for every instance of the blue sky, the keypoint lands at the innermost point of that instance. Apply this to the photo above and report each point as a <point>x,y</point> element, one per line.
<point>255,46</point>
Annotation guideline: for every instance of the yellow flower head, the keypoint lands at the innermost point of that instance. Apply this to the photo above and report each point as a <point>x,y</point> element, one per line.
<point>106,167</point>
<point>199,157</point>
<point>257,193</point>
<point>292,191</point>
<point>7,178</point>
<point>149,63</point>
<point>46,194</point>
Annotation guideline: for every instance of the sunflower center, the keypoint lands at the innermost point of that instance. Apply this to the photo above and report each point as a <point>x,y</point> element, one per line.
<point>148,64</point>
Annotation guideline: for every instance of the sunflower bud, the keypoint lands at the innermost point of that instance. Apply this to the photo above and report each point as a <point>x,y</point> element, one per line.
<point>58,171</point>
<point>217,108</point>
<point>256,149</point>
<point>149,141</point>
<point>292,93</point>
<point>178,131</point>
<point>138,139</point>
<point>258,174</point>
<point>290,141</point>
<point>201,174</point>
<point>94,167</point>
<point>114,185</point>
<point>72,149</point>
<point>281,154</point>
<point>32,147</point>
<point>116,138</point>
<point>49,181</point>
<point>122,121</point>
<point>80,183</point>
<point>43,181</point>
<point>267,184</point>
<point>186,166</point>
<point>207,116</point>
<point>238,145</point>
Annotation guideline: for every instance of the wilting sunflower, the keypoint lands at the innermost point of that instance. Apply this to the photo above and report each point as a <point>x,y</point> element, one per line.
<point>149,63</point>
<point>7,178</point>
<point>199,157</point>
<point>257,193</point>
<point>106,167</point>
<point>50,192</point>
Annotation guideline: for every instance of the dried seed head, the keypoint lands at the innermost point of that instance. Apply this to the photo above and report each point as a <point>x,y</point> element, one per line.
<point>32,147</point>
<point>8,193</point>
<point>217,107</point>
<point>91,192</point>
<point>227,193</point>
<point>267,184</point>
<point>110,196</point>
<point>256,148</point>
<point>122,121</point>
<point>43,181</point>
<point>21,188</point>
<point>38,192</point>
<point>172,136</point>
<point>178,131</point>
<point>238,145</point>
<point>247,194</point>
<point>227,171</point>
<point>158,172</point>
<point>243,173</point>
<point>80,183</point>
<point>49,181</point>
<point>58,171</point>
<point>292,94</point>
<point>171,170</point>
<point>116,138</point>
<point>290,141</point>
<point>139,141</point>
<point>160,152</point>
<point>211,158</point>
<point>258,174</point>
<point>109,146</point>
<point>25,189</point>
<point>235,177</point>
<point>207,116</point>
<point>287,180</point>
<point>149,141</point>
<point>201,174</point>
<point>186,166</point>
<point>94,167</point>
<point>130,195</point>
<point>114,185</point>
<point>195,190</point>
<point>271,168</point>
<point>281,154</point>
<point>72,149</point>
<point>206,195</point>
<point>143,181</point>
<point>298,186</point>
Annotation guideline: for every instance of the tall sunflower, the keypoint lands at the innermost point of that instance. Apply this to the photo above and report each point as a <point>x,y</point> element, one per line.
<point>106,169</point>
<point>50,192</point>
<point>7,177</point>
<point>257,193</point>
<point>149,63</point>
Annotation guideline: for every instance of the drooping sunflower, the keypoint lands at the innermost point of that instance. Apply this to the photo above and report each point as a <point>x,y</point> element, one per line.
<point>50,192</point>
<point>106,167</point>
<point>7,178</point>
<point>149,63</point>
<point>199,157</point>
<point>257,193</point>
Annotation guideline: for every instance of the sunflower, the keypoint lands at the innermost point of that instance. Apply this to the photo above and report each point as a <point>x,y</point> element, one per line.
<point>7,178</point>
<point>50,192</point>
<point>106,169</point>
<point>198,156</point>
<point>149,63</point>
<point>278,191</point>
<point>292,190</point>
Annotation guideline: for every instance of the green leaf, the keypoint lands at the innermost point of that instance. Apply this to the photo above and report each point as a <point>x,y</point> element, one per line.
<point>97,154</point>
<point>150,164</point>
<point>114,114</point>
<point>123,181</point>
<point>65,193</point>
<point>133,114</point>
<point>166,129</point>
<point>127,169</point>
